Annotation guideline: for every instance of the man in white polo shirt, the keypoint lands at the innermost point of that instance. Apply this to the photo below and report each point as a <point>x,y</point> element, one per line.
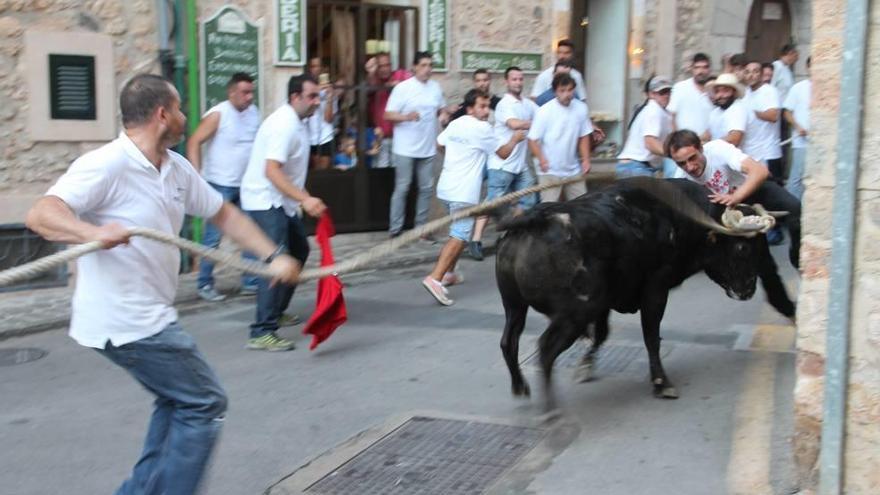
<point>273,193</point>
<point>468,142</point>
<point>764,110</point>
<point>123,303</point>
<point>729,119</point>
<point>559,138</point>
<point>414,107</point>
<point>690,104</point>
<point>797,114</point>
<point>642,154</point>
<point>228,131</point>
<point>544,81</point>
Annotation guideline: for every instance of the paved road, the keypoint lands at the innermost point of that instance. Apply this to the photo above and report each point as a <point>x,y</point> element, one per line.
<point>72,423</point>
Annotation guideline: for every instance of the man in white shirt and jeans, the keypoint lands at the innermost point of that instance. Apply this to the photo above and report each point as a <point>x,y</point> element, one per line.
<point>797,114</point>
<point>228,131</point>
<point>468,143</point>
<point>414,107</point>
<point>642,154</point>
<point>560,132</point>
<point>273,193</point>
<point>123,303</point>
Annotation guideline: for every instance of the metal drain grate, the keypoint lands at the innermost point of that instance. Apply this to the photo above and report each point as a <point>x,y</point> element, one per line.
<point>11,357</point>
<point>430,456</point>
<point>612,358</point>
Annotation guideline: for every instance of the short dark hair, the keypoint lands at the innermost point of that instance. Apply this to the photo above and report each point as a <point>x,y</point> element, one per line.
<point>564,63</point>
<point>296,83</point>
<point>767,65</point>
<point>420,55</point>
<point>562,80</point>
<point>753,61</point>
<point>700,57</point>
<point>510,69</point>
<point>481,70</point>
<point>680,139</point>
<point>565,42</point>
<point>738,60</point>
<point>141,96</point>
<point>239,77</point>
<point>787,48</point>
<point>471,97</point>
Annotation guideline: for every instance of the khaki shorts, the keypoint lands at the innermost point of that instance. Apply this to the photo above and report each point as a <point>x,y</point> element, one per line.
<point>569,191</point>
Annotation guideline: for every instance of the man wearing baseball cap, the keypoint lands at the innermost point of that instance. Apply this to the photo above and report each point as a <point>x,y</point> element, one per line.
<point>643,153</point>
<point>729,118</point>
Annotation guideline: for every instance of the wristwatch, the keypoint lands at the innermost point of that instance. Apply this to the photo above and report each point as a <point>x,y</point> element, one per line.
<point>278,251</point>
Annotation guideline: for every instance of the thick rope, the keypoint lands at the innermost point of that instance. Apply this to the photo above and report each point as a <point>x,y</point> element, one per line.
<point>34,268</point>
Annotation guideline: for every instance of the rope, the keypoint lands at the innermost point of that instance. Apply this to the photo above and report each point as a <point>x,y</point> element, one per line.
<point>34,268</point>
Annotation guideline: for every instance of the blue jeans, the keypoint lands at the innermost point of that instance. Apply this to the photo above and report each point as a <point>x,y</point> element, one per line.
<point>463,228</point>
<point>188,413</point>
<point>632,168</point>
<point>403,174</point>
<point>272,301</point>
<point>669,168</point>
<point>502,182</point>
<point>211,238</point>
<point>795,184</point>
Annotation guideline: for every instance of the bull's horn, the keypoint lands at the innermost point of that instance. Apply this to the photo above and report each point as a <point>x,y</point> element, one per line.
<point>778,214</point>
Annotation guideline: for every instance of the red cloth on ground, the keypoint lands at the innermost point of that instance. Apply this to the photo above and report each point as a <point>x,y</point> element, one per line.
<point>330,310</point>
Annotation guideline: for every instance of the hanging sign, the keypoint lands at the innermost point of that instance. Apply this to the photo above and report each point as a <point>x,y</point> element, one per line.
<point>471,60</point>
<point>230,43</point>
<point>436,15</point>
<point>290,29</point>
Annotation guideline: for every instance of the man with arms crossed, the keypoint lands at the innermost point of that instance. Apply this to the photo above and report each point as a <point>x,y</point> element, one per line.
<point>123,304</point>
<point>560,132</point>
<point>228,130</point>
<point>274,195</point>
<point>468,142</point>
<point>414,107</point>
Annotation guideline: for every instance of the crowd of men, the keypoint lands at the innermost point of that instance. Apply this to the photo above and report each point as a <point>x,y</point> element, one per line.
<point>716,131</point>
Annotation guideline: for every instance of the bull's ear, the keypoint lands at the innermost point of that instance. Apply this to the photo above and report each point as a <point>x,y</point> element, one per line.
<point>711,237</point>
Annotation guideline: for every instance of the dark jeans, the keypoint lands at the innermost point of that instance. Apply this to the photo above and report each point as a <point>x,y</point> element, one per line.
<point>211,238</point>
<point>773,197</point>
<point>271,302</point>
<point>188,413</point>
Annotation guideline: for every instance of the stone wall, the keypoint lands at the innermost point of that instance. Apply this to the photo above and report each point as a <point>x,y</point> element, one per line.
<point>863,435</point>
<point>27,168</point>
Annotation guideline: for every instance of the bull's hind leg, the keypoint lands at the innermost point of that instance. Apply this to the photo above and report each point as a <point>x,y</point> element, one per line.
<point>515,321</point>
<point>584,371</point>
<point>559,336</point>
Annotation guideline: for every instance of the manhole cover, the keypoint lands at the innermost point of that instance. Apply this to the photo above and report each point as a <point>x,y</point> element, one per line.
<point>11,357</point>
<point>430,456</point>
<point>612,358</point>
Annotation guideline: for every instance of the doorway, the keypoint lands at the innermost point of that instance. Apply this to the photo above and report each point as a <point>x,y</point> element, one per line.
<point>768,30</point>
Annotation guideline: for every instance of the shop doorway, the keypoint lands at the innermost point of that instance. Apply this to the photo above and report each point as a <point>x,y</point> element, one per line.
<point>768,30</point>
<point>344,35</point>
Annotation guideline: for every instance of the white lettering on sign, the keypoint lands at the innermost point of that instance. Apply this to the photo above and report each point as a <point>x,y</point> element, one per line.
<point>289,30</point>
<point>437,31</point>
<point>231,22</point>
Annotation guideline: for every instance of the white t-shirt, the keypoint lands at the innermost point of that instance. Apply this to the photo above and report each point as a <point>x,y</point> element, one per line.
<point>798,103</point>
<point>282,137</point>
<point>654,121</point>
<point>511,107</point>
<point>782,79</point>
<point>723,173</point>
<point>228,150</point>
<point>558,129</point>
<point>416,139</point>
<point>761,141</point>
<point>321,131</point>
<point>544,81</point>
<point>690,106</point>
<point>469,142</point>
<point>127,293</point>
<point>733,118</point>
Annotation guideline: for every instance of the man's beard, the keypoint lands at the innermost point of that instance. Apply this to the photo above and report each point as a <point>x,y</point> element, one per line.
<point>701,79</point>
<point>725,104</point>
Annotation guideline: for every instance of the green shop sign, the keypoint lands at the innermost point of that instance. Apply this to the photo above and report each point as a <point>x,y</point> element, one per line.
<point>290,32</point>
<point>230,44</point>
<point>499,61</point>
<point>436,15</point>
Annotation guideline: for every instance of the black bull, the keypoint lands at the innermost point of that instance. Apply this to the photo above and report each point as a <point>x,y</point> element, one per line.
<point>617,249</point>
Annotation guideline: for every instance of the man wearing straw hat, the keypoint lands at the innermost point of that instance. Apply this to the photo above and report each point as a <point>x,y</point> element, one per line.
<point>729,119</point>
<point>123,303</point>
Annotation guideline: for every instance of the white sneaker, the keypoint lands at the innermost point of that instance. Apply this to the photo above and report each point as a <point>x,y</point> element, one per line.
<point>437,290</point>
<point>208,293</point>
<point>452,278</point>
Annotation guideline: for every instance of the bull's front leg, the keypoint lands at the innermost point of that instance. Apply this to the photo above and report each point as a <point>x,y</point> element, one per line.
<point>585,369</point>
<point>651,312</point>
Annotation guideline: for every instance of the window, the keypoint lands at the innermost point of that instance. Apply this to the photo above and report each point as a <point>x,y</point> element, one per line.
<point>72,87</point>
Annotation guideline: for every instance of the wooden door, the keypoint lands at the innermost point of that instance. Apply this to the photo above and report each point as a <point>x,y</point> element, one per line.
<point>768,30</point>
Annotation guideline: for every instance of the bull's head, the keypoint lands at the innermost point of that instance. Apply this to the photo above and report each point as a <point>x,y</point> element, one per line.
<point>734,249</point>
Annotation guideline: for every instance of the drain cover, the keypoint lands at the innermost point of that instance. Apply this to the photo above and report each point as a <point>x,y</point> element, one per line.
<point>430,456</point>
<point>612,358</point>
<point>11,357</point>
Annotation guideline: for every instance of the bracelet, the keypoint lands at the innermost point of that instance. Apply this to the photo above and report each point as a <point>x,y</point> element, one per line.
<point>278,251</point>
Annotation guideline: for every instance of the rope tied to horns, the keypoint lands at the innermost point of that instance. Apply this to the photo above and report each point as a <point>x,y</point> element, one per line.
<point>736,223</point>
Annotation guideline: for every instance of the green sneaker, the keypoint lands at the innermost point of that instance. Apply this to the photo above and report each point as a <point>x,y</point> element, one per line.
<point>287,320</point>
<point>270,342</point>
